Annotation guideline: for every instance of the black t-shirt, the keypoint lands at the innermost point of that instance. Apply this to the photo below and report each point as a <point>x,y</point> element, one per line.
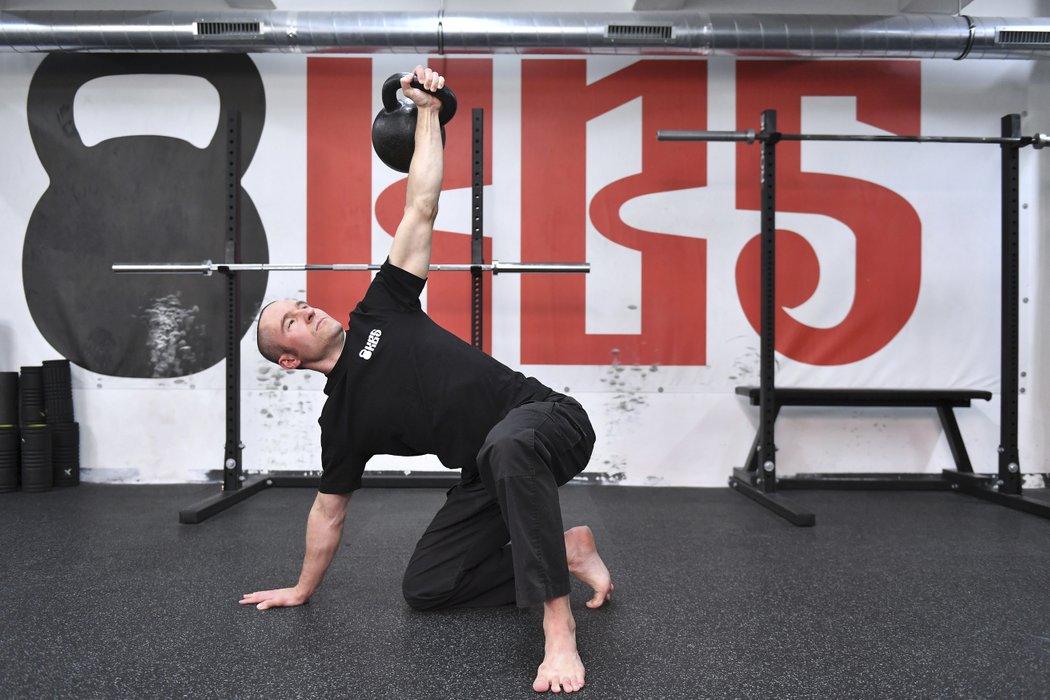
<point>405,386</point>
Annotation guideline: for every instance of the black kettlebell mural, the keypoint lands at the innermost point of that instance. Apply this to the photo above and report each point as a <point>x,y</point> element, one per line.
<point>394,128</point>
<point>142,198</point>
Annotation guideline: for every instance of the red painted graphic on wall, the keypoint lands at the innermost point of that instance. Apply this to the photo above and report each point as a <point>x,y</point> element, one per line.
<point>886,227</point>
<point>557,103</point>
<point>338,179</point>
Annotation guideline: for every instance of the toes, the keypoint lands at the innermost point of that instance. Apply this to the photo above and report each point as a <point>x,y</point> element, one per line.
<point>600,598</point>
<point>552,680</point>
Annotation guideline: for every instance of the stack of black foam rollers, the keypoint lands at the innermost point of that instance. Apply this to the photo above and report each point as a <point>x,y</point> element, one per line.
<point>39,440</point>
<point>65,432</point>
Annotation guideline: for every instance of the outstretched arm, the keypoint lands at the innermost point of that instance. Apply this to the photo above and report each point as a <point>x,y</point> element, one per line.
<point>411,247</point>
<point>324,529</point>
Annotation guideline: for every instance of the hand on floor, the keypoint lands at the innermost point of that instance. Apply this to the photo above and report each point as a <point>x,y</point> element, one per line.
<point>278,598</point>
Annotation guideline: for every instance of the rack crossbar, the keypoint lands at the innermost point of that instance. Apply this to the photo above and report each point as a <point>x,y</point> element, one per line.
<point>750,136</point>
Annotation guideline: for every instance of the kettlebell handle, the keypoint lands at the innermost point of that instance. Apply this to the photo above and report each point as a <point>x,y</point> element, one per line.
<point>392,104</point>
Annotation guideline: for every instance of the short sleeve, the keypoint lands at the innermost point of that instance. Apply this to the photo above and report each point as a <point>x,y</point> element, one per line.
<point>394,288</point>
<point>343,476</point>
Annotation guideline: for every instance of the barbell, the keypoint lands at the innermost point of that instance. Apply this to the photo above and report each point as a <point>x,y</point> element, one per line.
<point>208,267</point>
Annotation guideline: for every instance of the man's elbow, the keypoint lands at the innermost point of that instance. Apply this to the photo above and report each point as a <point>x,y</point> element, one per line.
<point>423,209</point>
<point>331,510</point>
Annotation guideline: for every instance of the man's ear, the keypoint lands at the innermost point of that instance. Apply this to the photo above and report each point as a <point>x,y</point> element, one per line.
<point>289,361</point>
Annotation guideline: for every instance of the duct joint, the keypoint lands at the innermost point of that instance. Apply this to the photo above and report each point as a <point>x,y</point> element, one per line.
<point>970,39</point>
<point>441,32</point>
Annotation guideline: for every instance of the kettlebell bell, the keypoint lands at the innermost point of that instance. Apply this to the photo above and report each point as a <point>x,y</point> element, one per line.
<point>394,128</point>
<point>138,197</point>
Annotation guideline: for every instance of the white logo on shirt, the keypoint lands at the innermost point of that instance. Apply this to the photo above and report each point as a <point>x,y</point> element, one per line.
<point>370,344</point>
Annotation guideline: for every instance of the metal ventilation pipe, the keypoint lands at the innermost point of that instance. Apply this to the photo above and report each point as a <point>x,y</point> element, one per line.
<point>649,33</point>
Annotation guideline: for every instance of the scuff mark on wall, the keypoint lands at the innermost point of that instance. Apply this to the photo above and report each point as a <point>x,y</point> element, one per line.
<point>629,386</point>
<point>745,367</point>
<point>285,405</point>
<point>274,381</point>
<point>614,473</point>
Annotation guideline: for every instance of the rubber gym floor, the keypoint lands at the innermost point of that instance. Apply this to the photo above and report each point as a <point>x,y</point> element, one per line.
<point>103,594</point>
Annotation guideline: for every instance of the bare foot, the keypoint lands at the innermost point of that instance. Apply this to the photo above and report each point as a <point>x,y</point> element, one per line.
<point>562,669</point>
<point>586,565</point>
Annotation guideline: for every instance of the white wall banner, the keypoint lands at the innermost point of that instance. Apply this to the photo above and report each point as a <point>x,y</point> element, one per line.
<point>888,253</point>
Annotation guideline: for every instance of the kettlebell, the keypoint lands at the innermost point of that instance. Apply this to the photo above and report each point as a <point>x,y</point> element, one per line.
<point>394,128</point>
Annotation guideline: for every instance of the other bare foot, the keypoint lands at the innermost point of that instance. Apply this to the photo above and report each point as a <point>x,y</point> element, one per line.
<point>562,669</point>
<point>586,565</point>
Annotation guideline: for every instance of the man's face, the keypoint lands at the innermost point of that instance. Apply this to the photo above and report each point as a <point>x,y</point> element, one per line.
<point>307,332</point>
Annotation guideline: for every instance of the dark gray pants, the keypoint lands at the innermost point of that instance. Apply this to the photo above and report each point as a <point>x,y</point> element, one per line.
<point>499,537</point>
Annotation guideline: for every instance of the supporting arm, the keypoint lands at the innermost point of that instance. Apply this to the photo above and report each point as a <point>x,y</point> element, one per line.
<point>324,530</point>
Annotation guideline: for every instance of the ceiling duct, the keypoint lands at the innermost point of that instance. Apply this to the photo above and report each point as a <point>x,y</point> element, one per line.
<point>649,33</point>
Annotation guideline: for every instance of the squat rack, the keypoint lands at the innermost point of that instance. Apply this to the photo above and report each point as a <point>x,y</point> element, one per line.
<point>235,487</point>
<point>762,484</point>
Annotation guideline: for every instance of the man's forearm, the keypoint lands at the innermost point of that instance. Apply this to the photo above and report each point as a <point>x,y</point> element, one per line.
<point>323,533</point>
<point>427,169</point>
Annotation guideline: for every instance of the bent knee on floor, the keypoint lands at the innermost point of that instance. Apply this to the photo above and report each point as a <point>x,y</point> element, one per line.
<point>424,602</point>
<point>423,595</point>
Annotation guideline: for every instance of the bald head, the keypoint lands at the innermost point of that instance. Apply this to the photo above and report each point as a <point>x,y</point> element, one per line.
<point>295,335</point>
<point>266,337</point>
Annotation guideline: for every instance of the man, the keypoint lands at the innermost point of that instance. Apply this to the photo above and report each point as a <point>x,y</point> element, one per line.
<point>400,384</point>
